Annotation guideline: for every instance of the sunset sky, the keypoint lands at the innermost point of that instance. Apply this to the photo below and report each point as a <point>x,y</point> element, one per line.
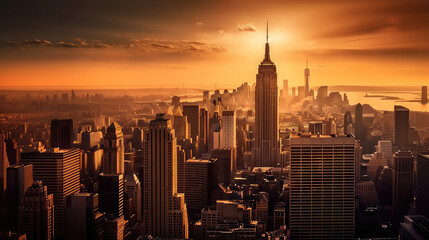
<point>106,44</point>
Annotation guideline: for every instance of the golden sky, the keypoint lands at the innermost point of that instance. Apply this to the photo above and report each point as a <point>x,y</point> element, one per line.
<point>106,44</point>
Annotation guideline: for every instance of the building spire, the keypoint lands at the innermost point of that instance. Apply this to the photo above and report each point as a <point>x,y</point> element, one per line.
<point>267,31</point>
<point>307,62</point>
<point>267,49</point>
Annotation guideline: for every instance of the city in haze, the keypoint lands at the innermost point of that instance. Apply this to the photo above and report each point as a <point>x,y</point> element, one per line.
<point>229,119</point>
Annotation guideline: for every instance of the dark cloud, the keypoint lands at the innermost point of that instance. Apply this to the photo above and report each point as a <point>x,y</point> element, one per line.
<point>145,45</point>
<point>246,27</point>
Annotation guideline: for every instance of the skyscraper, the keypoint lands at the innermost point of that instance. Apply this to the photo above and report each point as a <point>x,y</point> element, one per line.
<point>164,210</point>
<point>226,164</point>
<point>266,151</point>
<point>134,191</point>
<point>228,132</point>
<point>359,127</point>
<point>83,219</point>
<point>424,94</point>
<point>348,123</point>
<point>192,112</point>
<point>204,131</point>
<point>111,192</point>
<point>62,133</point>
<point>422,193</point>
<point>36,214</point>
<point>4,164</point>
<point>12,151</point>
<point>19,178</point>
<point>322,187</point>
<point>402,185</point>
<point>402,126</point>
<point>285,88</point>
<point>307,84</point>
<point>198,177</point>
<point>59,171</point>
<point>113,156</point>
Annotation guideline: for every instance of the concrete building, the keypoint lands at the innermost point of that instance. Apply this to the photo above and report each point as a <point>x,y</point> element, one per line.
<point>402,126</point>
<point>422,193</point>
<point>228,132</point>
<point>113,155</point>
<point>111,194</point>
<point>19,178</point>
<point>59,172</point>
<point>164,210</point>
<point>266,150</point>
<point>83,219</point>
<point>322,179</point>
<point>62,133</point>
<point>36,214</point>
<point>402,185</point>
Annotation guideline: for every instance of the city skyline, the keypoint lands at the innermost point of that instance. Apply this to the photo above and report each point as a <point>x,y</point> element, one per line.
<point>266,158</point>
<point>103,45</point>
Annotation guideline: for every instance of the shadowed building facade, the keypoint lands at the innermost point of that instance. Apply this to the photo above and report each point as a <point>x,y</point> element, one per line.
<point>164,210</point>
<point>59,171</point>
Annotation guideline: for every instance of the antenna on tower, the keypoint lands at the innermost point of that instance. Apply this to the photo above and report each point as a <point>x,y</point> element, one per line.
<point>267,31</point>
<point>307,62</point>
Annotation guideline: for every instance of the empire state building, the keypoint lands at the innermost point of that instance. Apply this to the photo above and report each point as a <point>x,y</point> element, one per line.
<point>266,150</point>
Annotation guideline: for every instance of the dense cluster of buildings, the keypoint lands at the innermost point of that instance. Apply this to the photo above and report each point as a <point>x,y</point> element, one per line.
<point>246,164</point>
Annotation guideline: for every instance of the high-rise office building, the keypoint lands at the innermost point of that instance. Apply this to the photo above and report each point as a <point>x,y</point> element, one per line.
<point>348,123</point>
<point>204,131</point>
<point>60,173</point>
<point>424,94</point>
<point>181,125</point>
<point>385,146</point>
<point>285,88</point>
<point>228,132</point>
<point>90,139</point>
<point>198,178</point>
<point>192,112</point>
<point>360,133</point>
<point>4,164</point>
<point>181,159</point>
<point>113,156</point>
<point>111,194</point>
<point>114,229</point>
<point>226,164</point>
<point>402,185</point>
<point>36,214</point>
<point>19,178</point>
<point>137,138</point>
<point>307,84</point>
<point>134,191</point>
<point>62,133</point>
<point>164,210</point>
<point>402,126</point>
<point>266,150</point>
<point>12,151</point>
<point>83,219</point>
<point>214,133</point>
<point>322,187</point>
<point>422,193</point>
